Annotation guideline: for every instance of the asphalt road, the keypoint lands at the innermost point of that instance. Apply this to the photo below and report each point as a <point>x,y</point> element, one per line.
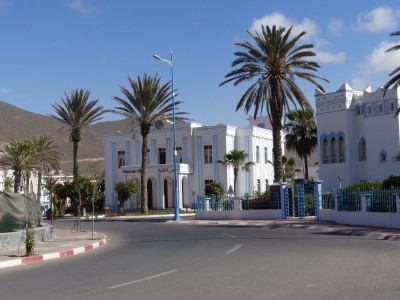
<point>151,259</point>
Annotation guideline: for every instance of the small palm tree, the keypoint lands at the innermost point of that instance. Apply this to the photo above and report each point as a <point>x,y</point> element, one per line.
<point>48,157</point>
<point>301,134</point>
<point>76,113</point>
<point>289,167</point>
<point>236,159</point>
<point>274,62</point>
<point>147,103</point>
<point>18,156</point>
<point>395,73</point>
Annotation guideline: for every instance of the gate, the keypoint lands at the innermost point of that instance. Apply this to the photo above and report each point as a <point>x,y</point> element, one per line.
<point>299,201</point>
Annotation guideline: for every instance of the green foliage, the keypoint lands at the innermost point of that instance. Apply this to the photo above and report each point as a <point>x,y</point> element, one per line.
<point>30,242</point>
<point>125,190</point>
<point>364,186</point>
<point>214,188</point>
<point>8,185</point>
<point>391,181</point>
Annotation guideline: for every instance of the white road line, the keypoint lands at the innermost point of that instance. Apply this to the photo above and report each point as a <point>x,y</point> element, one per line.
<point>230,235</point>
<point>141,280</point>
<point>233,249</point>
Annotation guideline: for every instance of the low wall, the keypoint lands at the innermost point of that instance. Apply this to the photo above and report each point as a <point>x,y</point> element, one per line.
<point>12,240</point>
<point>259,214</point>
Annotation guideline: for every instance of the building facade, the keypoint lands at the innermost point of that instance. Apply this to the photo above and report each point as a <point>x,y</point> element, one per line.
<point>358,135</point>
<point>199,147</point>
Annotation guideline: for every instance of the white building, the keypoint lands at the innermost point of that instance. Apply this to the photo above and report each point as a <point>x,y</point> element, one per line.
<point>199,147</point>
<point>358,135</point>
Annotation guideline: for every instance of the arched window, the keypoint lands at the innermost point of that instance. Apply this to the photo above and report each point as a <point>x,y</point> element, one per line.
<point>341,149</point>
<point>325,151</point>
<point>362,150</point>
<point>333,150</point>
<point>382,156</point>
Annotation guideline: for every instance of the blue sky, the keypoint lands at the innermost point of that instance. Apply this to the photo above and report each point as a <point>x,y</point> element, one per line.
<point>50,47</point>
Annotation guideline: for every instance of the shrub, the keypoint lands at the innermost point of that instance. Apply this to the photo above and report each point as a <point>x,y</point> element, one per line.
<point>125,190</point>
<point>364,186</point>
<point>214,188</point>
<point>30,242</point>
<point>391,181</point>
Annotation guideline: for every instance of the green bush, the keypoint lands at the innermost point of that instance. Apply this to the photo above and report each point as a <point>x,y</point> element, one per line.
<point>30,242</point>
<point>391,181</point>
<point>214,188</point>
<point>364,186</point>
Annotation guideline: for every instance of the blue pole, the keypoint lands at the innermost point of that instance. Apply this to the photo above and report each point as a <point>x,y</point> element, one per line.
<point>177,217</point>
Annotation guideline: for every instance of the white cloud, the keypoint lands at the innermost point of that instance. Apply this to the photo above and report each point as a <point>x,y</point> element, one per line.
<point>335,27</point>
<point>380,61</point>
<point>381,18</point>
<point>279,19</point>
<point>3,90</point>
<point>308,25</point>
<point>326,57</point>
<point>83,8</point>
<point>360,83</point>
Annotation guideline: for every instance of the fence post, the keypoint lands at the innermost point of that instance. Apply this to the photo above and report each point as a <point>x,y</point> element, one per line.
<point>339,200</point>
<point>317,197</point>
<point>300,200</point>
<point>284,195</point>
<point>236,204</point>
<point>200,202</point>
<point>398,202</point>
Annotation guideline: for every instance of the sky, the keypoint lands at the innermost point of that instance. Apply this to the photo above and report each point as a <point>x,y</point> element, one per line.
<point>51,47</point>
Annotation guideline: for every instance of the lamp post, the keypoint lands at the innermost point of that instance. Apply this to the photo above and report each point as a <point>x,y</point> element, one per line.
<point>171,64</point>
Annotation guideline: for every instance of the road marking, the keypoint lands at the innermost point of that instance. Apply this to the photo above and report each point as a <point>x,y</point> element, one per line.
<point>233,249</point>
<point>230,235</point>
<point>141,280</point>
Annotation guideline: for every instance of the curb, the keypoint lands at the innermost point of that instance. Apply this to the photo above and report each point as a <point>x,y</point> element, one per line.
<point>54,255</point>
<point>372,233</point>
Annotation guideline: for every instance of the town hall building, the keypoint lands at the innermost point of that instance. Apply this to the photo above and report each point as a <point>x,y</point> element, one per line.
<point>199,147</point>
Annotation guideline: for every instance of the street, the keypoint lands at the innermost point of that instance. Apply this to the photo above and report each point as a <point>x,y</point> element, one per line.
<point>151,259</point>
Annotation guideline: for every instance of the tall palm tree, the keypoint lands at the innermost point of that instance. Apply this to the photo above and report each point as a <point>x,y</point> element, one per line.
<point>301,134</point>
<point>76,113</point>
<point>147,103</point>
<point>395,73</point>
<point>18,156</point>
<point>236,159</point>
<point>47,156</point>
<point>274,62</point>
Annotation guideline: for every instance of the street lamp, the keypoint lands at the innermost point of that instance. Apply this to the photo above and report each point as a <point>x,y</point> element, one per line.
<point>171,64</point>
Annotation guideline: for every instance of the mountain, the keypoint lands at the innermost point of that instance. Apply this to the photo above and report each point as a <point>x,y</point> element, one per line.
<point>17,123</point>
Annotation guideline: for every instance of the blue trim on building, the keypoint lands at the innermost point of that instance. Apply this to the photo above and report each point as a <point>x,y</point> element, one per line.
<point>127,153</point>
<point>216,158</point>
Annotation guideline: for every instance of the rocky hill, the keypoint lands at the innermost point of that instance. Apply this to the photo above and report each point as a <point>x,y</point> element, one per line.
<point>17,123</point>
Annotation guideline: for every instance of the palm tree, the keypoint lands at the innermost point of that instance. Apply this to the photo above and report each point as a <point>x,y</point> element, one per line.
<point>301,134</point>
<point>48,157</point>
<point>76,112</point>
<point>395,73</point>
<point>236,159</point>
<point>148,103</point>
<point>289,167</point>
<point>274,62</point>
<point>18,156</point>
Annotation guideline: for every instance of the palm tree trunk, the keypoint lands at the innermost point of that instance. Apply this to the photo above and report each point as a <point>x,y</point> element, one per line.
<point>277,151</point>
<point>39,187</point>
<point>75,158</point>
<point>17,181</point>
<point>235,174</point>
<point>143,176</point>
<point>306,166</point>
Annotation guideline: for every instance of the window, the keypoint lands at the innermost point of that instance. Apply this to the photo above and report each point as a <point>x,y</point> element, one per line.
<point>179,154</point>
<point>261,125</point>
<point>265,155</point>
<point>333,150</point>
<point>380,108</point>
<point>148,156</point>
<point>258,154</point>
<point>258,186</point>
<point>341,149</point>
<point>266,184</point>
<point>391,106</point>
<point>207,181</point>
<point>325,151</point>
<point>382,156</point>
<point>208,154</point>
<point>162,156</point>
<point>358,110</point>
<point>121,158</point>
<point>362,149</point>
<point>369,110</point>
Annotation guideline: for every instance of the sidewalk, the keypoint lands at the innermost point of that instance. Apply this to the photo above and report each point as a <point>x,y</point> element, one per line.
<point>310,224</point>
<point>64,243</point>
